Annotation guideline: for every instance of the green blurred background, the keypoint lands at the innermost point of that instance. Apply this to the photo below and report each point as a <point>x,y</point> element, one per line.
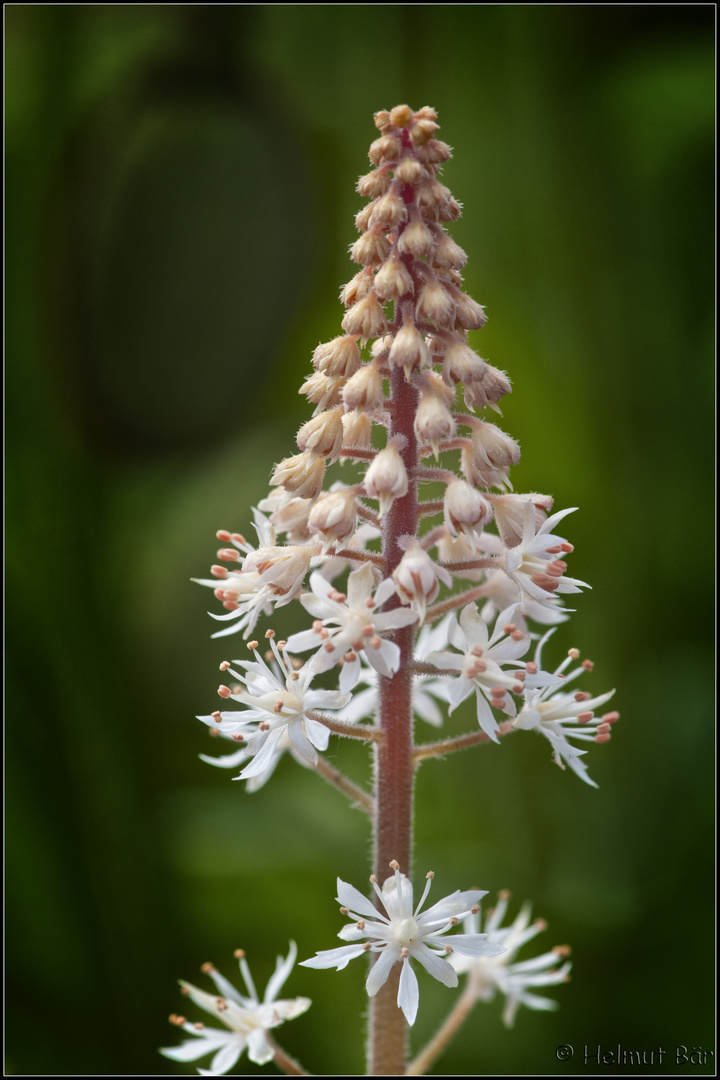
<point>180,198</point>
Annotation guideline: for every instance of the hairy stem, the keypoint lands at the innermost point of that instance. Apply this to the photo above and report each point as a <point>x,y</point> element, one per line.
<point>283,1060</point>
<point>357,796</point>
<point>393,757</point>
<point>461,742</point>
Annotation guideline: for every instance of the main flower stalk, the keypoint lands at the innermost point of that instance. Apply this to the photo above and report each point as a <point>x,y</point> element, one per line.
<point>392,834</point>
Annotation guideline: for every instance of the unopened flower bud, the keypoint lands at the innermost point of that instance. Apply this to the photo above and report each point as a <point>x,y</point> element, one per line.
<point>416,240</point>
<point>333,517</point>
<point>493,452</point>
<point>393,280</point>
<point>488,390</point>
<point>434,303</point>
<point>365,318</point>
<point>416,579</point>
<point>362,218</point>
<point>409,171</point>
<point>357,430</point>
<point>432,194</point>
<point>464,509</point>
<point>386,478</point>
<point>339,357</point>
<point>409,349</point>
<point>402,116</point>
<point>358,287</point>
<point>433,421</point>
<point>448,254</point>
<point>510,514</point>
<point>372,248</point>
<point>303,474</point>
<point>434,152</point>
<point>323,434</point>
<point>386,148</point>
<point>462,365</point>
<point>365,389</point>
<point>373,184</point>
<point>468,314</point>
<point>292,518</point>
<point>422,131</point>
<point>389,211</point>
<point>322,390</point>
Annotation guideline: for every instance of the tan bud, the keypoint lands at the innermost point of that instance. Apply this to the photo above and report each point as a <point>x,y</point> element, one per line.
<point>416,579</point>
<point>382,120</point>
<point>323,434</point>
<point>371,249</point>
<point>448,254</point>
<point>386,478</point>
<point>434,152</point>
<point>510,513</point>
<point>393,280</point>
<point>468,314</point>
<point>322,390</point>
<point>362,218</point>
<point>450,210</point>
<point>433,421</point>
<point>492,454</point>
<point>431,193</point>
<point>357,430</point>
<point>416,240</point>
<point>358,287</point>
<point>302,474</point>
<point>365,318</point>
<point>409,171</point>
<point>373,184</point>
<point>386,148</point>
<point>422,131</point>
<point>402,116</point>
<point>292,518</point>
<point>488,391</point>
<point>334,517</point>
<point>434,303</point>
<point>462,365</point>
<point>464,508</point>
<point>365,389</point>
<point>409,349</point>
<point>339,357</point>
<point>389,211</point>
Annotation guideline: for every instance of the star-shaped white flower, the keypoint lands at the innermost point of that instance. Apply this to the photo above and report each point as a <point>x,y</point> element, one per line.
<point>480,664</point>
<point>561,715</point>
<point>534,564</point>
<point>351,623</point>
<point>403,933</point>
<point>278,702</point>
<point>514,979</point>
<point>246,1018</point>
<point>426,690</point>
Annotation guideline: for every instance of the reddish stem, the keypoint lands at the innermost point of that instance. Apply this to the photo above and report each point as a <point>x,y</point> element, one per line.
<point>393,757</point>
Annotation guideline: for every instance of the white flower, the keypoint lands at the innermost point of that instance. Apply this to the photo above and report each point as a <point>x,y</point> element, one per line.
<point>270,576</point>
<point>487,975</point>
<point>480,664</point>
<point>247,1018</point>
<point>561,715</point>
<point>278,705</point>
<point>417,579</point>
<point>426,690</point>
<point>232,761</point>
<point>533,563</point>
<point>351,622</point>
<point>404,934</point>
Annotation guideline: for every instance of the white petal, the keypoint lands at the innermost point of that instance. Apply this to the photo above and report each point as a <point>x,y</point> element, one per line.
<point>381,968</point>
<point>439,968</point>
<point>348,896</point>
<point>279,976</point>
<point>337,958</point>
<point>474,945</point>
<point>259,1049</point>
<point>228,1055</point>
<point>408,994</point>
